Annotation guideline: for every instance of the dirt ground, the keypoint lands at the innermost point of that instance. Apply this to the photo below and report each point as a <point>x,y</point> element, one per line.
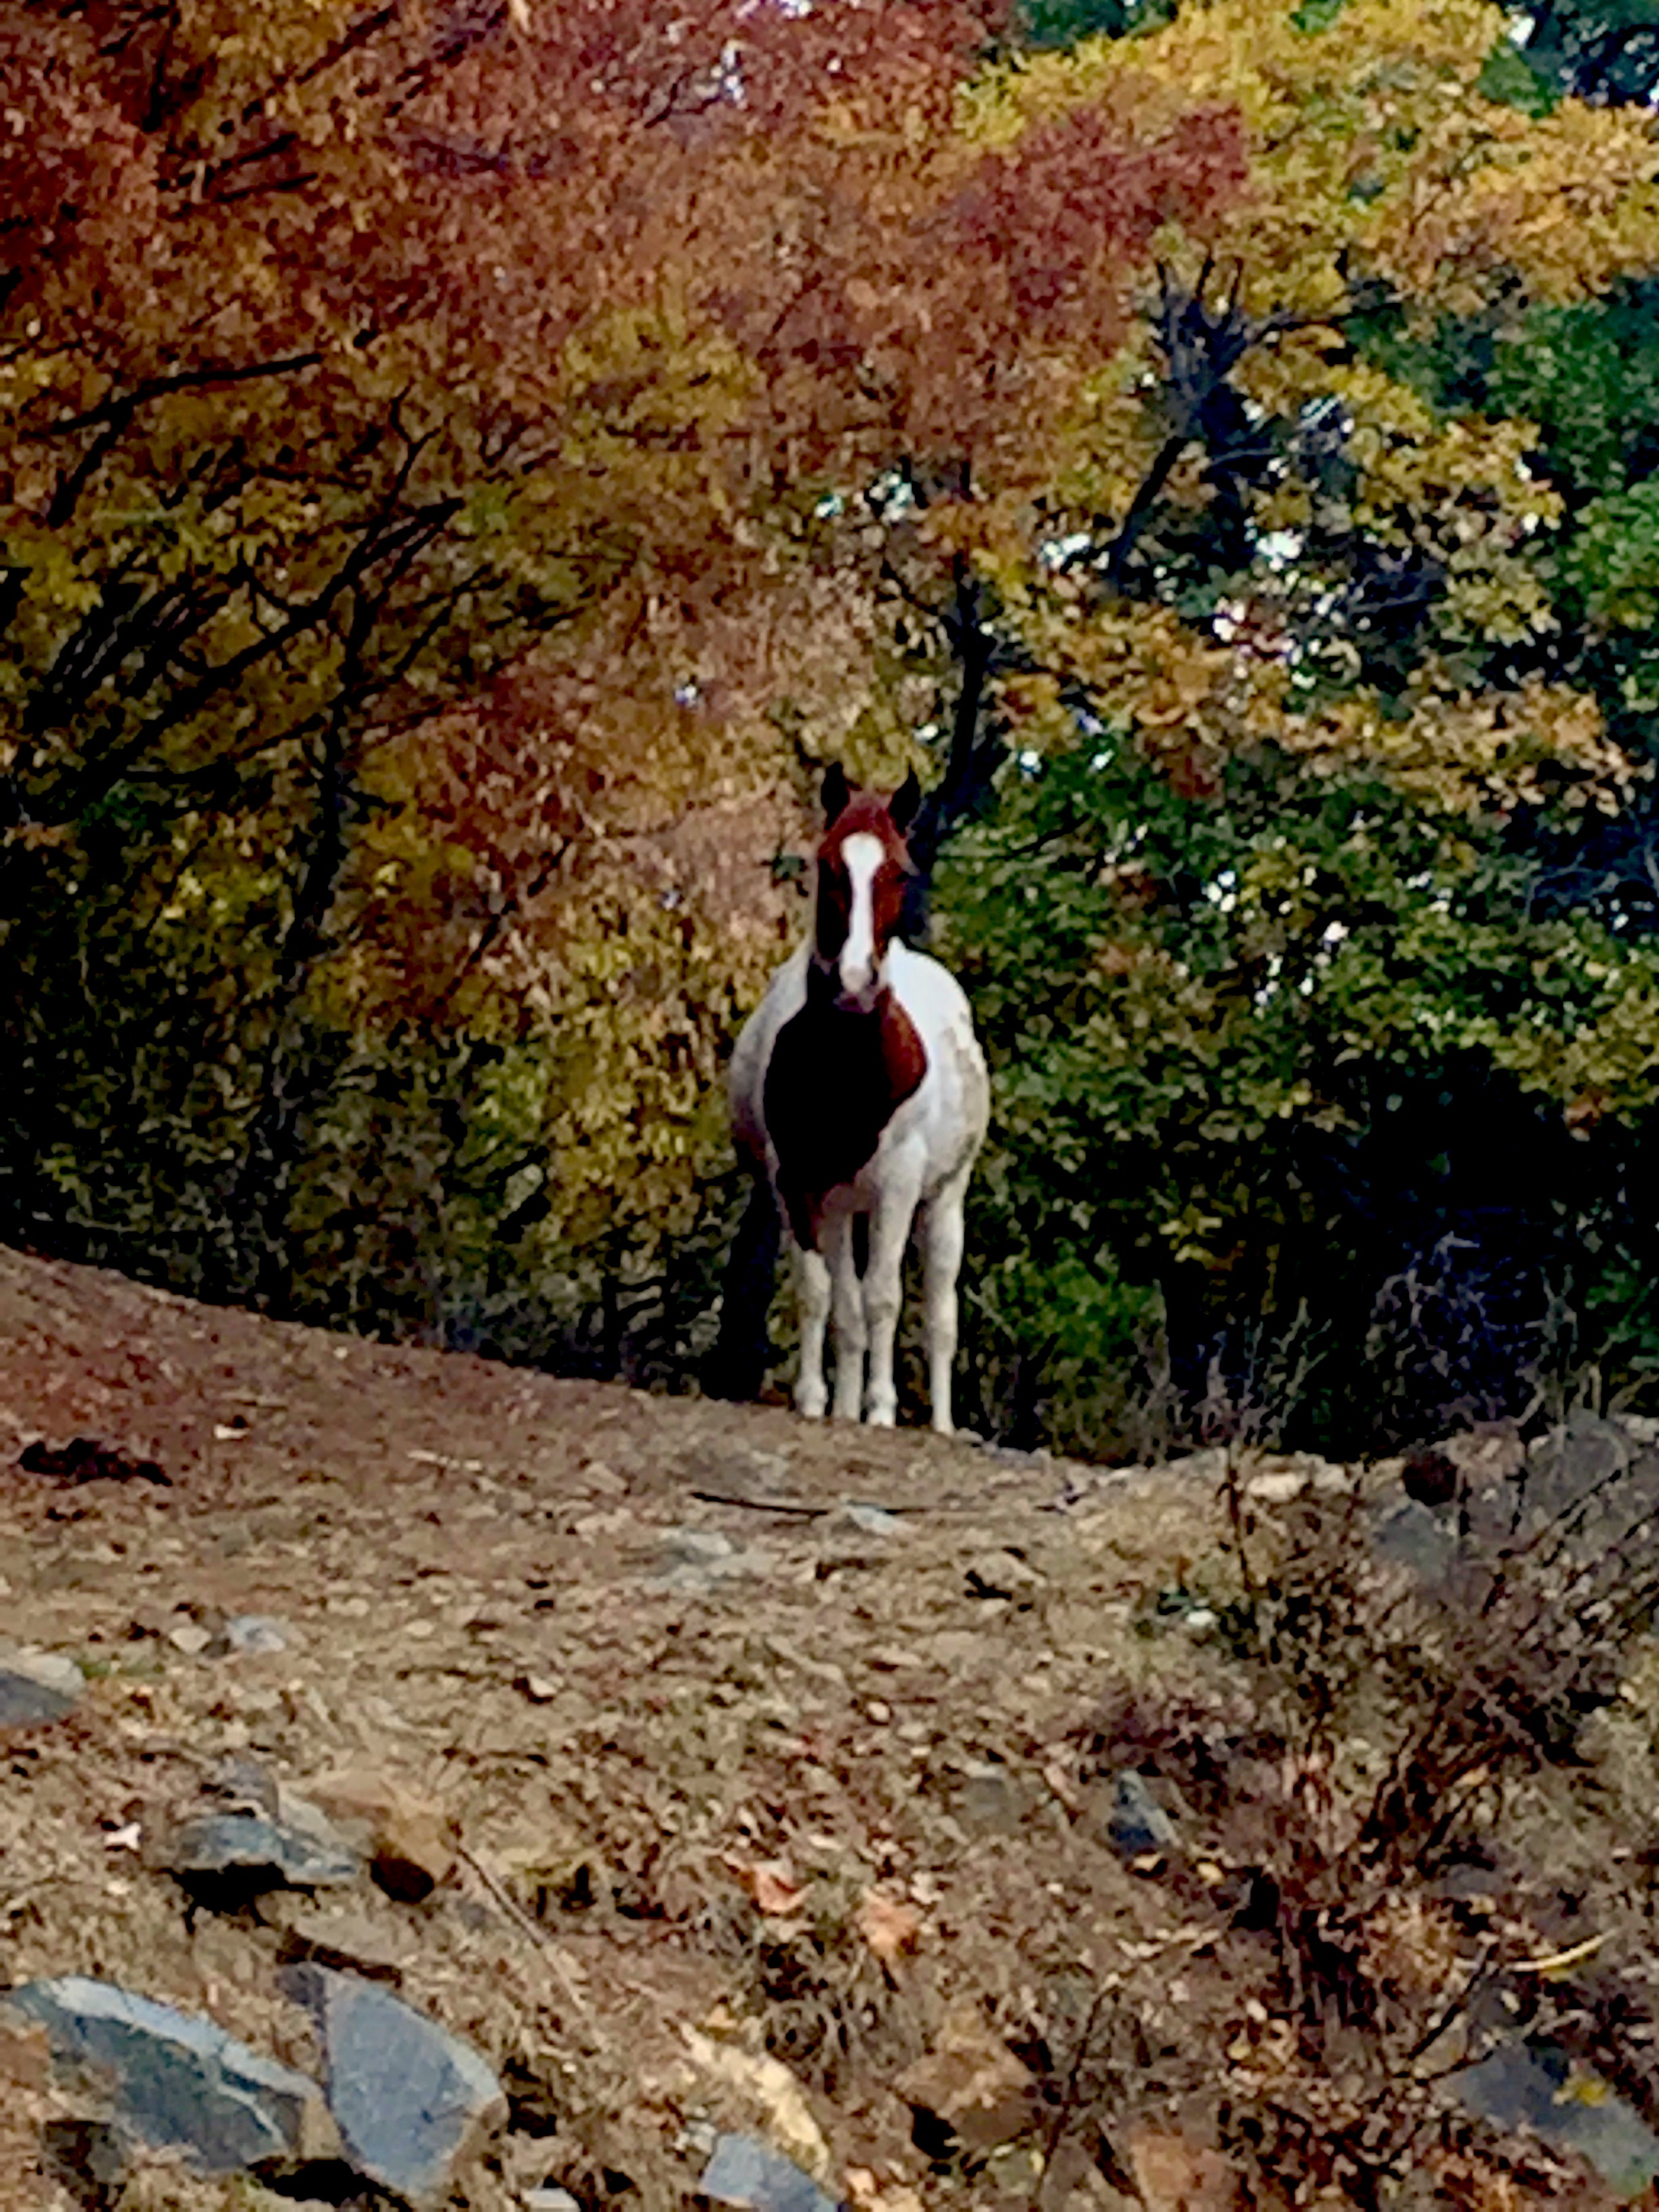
<point>739,1835</point>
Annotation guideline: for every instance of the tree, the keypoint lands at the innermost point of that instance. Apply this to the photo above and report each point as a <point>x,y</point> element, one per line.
<point>415,418</point>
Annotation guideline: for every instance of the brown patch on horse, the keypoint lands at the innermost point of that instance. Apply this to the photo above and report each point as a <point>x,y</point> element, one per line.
<point>836,1081</point>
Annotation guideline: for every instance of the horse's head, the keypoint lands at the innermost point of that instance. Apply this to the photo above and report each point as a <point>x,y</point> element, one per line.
<point>863,862</point>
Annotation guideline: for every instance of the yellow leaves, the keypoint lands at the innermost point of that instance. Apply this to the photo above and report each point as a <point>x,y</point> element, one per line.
<point>1372,152</point>
<point>1458,752</point>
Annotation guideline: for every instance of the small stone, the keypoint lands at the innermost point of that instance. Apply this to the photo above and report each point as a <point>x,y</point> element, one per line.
<point>1280,1489</point>
<point>971,2086</point>
<point>37,1687</point>
<point>693,1560</point>
<point>406,1838</point>
<point>173,2079</point>
<point>1137,1824</point>
<point>224,1858</point>
<point>538,1689</point>
<point>257,1634</point>
<point>1200,1621</point>
<point>869,1520</point>
<point>190,1638</point>
<point>1000,1574</point>
<point>410,2099</point>
<point>347,1940</point>
<point>743,2170</point>
<point>548,2200</point>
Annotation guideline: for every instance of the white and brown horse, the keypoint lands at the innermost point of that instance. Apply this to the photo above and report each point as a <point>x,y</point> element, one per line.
<point>859,1088</point>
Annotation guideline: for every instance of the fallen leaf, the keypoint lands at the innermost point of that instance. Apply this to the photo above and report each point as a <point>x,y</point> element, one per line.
<point>889,1928</point>
<point>773,1886</point>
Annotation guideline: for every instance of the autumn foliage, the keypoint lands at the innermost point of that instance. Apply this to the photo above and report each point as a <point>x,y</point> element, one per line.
<point>462,465</point>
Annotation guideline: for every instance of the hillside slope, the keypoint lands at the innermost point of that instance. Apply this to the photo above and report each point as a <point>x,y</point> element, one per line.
<point>742,1806</point>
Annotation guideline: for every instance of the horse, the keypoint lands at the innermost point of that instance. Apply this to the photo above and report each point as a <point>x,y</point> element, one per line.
<point>858,1092</point>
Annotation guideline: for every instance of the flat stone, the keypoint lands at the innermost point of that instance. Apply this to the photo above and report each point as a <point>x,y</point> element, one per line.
<point>869,1520</point>
<point>37,1687</point>
<point>223,1858</point>
<point>257,1634</point>
<point>745,2171</point>
<point>347,1940</point>
<point>1521,2086</point>
<point>410,2099</point>
<point>695,1560</point>
<point>175,2080</point>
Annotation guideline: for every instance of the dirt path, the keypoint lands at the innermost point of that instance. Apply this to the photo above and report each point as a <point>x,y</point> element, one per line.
<point>633,1650</point>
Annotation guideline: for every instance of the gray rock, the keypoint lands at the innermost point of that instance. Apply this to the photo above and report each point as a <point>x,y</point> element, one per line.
<point>1413,1537</point>
<point>1137,1824</point>
<point>549,2200</point>
<point>410,2100</point>
<point>869,1520</point>
<point>1520,2087</point>
<point>36,1687</point>
<point>258,1634</point>
<point>174,2080</point>
<point>746,2171</point>
<point>224,1858</point>
<point>696,1560</point>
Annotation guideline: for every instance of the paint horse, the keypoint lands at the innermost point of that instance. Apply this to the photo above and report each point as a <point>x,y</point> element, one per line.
<point>859,1090</point>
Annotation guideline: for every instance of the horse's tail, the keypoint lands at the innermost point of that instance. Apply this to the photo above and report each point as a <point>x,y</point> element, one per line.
<point>737,1366</point>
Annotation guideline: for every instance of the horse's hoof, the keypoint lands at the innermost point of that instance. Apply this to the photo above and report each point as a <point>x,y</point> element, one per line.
<point>880,1416</point>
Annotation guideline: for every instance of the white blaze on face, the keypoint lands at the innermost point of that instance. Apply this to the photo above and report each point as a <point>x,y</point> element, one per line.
<point>862,856</point>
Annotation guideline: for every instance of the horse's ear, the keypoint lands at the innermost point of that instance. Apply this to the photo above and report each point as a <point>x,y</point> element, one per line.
<point>905,801</point>
<point>836,792</point>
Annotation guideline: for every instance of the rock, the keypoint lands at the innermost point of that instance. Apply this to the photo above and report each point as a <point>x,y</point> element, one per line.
<point>223,1859</point>
<point>970,2086</point>
<point>406,1838</point>
<point>1174,2175</point>
<point>1282,1486</point>
<point>1413,1537</point>
<point>347,1940</point>
<point>745,2171</point>
<point>175,2080</point>
<point>867,1519</point>
<point>37,1687</point>
<point>695,1560</point>
<point>1536,2087</point>
<point>1000,1574</point>
<point>190,1638</point>
<point>1137,1824</point>
<point>410,2099</point>
<point>548,2200</point>
<point>257,1634</point>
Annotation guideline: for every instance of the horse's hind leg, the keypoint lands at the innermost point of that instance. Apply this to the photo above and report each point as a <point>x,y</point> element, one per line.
<point>812,1300</point>
<point>846,1317</point>
<point>942,1264</point>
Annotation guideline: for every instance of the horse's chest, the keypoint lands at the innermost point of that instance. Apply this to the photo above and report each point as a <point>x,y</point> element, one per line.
<point>833,1087</point>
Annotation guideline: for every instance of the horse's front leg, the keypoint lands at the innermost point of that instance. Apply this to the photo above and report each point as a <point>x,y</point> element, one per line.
<point>942,1263</point>
<point>812,1303</point>
<point>889,1232</point>
<point>846,1317</point>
